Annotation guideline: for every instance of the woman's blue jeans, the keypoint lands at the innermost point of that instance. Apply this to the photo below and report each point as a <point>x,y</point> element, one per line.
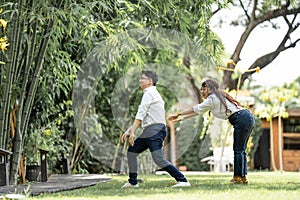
<point>243,123</point>
<point>152,138</point>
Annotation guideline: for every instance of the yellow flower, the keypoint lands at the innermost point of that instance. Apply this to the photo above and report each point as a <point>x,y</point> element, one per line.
<point>3,23</point>
<point>3,46</point>
<point>3,43</point>
<point>281,99</point>
<point>47,132</point>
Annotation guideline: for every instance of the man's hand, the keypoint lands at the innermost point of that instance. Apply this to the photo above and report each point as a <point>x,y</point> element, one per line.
<point>124,136</point>
<point>130,132</point>
<point>130,139</point>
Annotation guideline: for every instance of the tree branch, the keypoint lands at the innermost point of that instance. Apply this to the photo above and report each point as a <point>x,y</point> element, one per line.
<point>216,11</point>
<point>244,9</point>
<point>254,9</point>
<point>273,14</point>
<point>253,23</point>
<point>268,58</point>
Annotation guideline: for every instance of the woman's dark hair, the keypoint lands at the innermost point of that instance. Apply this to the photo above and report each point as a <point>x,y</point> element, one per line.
<point>215,88</point>
<point>152,75</point>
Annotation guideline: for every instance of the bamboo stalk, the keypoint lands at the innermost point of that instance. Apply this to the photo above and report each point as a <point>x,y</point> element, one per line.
<point>16,149</point>
<point>25,115</point>
<point>29,103</point>
<point>6,80</point>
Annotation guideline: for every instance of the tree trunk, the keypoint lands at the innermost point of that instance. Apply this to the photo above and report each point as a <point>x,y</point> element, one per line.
<point>187,63</point>
<point>15,159</point>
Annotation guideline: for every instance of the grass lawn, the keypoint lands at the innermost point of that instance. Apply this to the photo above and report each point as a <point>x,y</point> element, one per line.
<point>262,185</point>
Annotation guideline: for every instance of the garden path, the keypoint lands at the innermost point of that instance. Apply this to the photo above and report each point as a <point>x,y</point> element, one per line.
<point>55,183</point>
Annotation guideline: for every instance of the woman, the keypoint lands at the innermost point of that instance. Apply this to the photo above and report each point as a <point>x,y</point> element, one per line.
<point>223,106</point>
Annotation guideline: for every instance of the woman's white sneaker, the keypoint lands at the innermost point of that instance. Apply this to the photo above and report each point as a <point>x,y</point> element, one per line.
<point>181,184</point>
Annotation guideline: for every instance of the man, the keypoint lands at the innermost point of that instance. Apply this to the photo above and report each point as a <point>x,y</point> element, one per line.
<point>151,117</point>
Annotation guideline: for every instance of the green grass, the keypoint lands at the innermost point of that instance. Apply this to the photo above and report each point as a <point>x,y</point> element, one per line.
<point>262,185</point>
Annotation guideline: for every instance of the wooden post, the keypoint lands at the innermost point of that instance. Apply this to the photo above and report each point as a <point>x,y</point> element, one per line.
<point>66,166</point>
<point>280,144</point>
<point>172,142</point>
<point>44,176</point>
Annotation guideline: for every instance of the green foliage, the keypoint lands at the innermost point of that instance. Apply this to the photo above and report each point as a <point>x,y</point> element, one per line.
<point>50,135</point>
<point>294,86</point>
<point>103,105</point>
<point>43,83</point>
<point>273,102</point>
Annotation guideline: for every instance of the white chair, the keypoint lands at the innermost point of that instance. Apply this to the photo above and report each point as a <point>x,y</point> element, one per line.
<point>221,159</point>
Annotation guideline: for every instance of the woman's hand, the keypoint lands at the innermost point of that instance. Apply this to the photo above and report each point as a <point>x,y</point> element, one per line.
<point>173,117</point>
<point>179,119</point>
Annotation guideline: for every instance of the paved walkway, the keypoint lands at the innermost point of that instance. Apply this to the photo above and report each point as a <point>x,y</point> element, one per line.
<point>55,183</point>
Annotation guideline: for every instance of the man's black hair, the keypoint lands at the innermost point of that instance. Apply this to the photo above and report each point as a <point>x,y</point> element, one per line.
<point>152,75</point>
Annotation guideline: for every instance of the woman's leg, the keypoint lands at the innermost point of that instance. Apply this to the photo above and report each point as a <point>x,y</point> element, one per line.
<point>242,131</point>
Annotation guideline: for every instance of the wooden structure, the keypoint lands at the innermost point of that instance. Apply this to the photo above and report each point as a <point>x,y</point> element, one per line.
<point>55,183</point>
<point>4,166</point>
<point>287,132</point>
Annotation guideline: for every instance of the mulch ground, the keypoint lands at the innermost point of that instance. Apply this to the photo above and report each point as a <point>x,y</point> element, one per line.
<point>55,183</point>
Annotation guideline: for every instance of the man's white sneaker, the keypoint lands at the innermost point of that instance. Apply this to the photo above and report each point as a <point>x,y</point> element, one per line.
<point>127,185</point>
<point>181,184</point>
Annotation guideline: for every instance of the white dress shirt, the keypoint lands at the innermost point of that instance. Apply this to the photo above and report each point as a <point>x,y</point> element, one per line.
<point>151,109</point>
<point>213,103</point>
